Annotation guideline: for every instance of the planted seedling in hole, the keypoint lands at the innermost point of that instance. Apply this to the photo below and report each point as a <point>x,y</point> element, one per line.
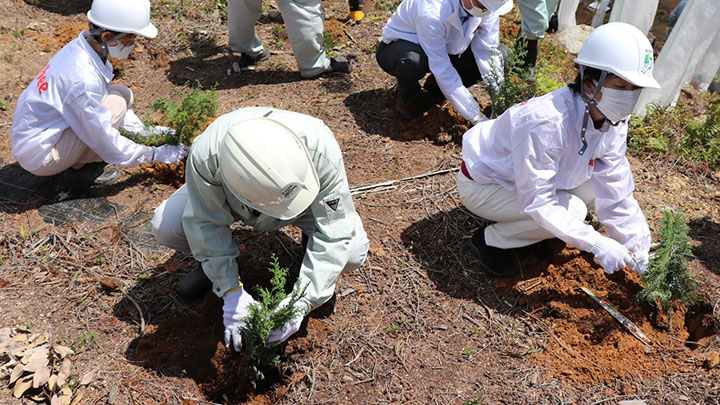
<point>668,282</point>
<point>265,317</point>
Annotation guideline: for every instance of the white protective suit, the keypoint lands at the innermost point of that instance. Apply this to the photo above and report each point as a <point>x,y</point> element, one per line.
<point>210,208</point>
<point>69,93</point>
<point>436,26</point>
<point>533,147</point>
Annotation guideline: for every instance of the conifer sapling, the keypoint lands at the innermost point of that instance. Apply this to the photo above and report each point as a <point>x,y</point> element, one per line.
<point>266,317</point>
<point>668,280</point>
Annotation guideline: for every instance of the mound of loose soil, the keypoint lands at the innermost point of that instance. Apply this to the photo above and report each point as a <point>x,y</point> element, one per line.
<point>586,344</point>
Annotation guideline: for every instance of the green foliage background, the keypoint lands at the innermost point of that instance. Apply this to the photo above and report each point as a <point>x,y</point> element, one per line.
<point>681,130</point>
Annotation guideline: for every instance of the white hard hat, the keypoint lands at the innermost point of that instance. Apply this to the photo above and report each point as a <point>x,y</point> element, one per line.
<point>621,49</point>
<point>127,16</point>
<point>499,7</point>
<point>266,166</point>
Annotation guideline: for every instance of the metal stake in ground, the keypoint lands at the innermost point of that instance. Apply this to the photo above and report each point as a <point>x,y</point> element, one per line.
<point>620,318</point>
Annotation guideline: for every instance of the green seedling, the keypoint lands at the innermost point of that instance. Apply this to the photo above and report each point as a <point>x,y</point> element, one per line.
<point>477,401</point>
<point>3,105</point>
<point>668,280</point>
<point>265,317</point>
<point>187,119</point>
<point>329,42</point>
<point>466,351</point>
<point>83,340</point>
<point>388,5</point>
<point>141,277</point>
<point>395,326</point>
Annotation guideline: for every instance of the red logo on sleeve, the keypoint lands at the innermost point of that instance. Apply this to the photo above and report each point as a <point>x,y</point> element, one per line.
<point>591,162</point>
<point>41,83</point>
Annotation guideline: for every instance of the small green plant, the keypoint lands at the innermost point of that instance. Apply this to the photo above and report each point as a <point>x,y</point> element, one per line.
<point>466,351</point>
<point>388,5</point>
<point>668,280</point>
<point>477,401</point>
<point>83,340</point>
<point>395,326</point>
<point>329,42</point>
<point>3,105</point>
<point>187,118</point>
<point>141,277</point>
<point>265,317</point>
<point>510,83</point>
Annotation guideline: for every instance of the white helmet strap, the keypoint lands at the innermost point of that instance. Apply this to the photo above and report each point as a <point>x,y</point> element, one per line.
<point>588,101</point>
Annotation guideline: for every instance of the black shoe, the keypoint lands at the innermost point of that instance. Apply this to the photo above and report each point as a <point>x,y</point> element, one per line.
<point>494,261</point>
<point>91,174</point>
<point>248,62</point>
<point>408,111</point>
<point>194,285</point>
<point>432,91</point>
<point>337,65</point>
<point>546,249</point>
<point>553,25</point>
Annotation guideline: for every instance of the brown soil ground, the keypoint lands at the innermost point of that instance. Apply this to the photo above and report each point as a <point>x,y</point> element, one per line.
<point>419,323</point>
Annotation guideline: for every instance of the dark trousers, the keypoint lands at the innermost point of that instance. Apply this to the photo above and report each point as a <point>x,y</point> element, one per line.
<point>408,62</point>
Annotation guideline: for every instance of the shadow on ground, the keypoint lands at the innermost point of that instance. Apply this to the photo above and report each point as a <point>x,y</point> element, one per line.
<point>21,191</point>
<point>62,7</point>
<point>186,340</point>
<point>707,233</point>
<point>373,111</point>
<point>184,71</point>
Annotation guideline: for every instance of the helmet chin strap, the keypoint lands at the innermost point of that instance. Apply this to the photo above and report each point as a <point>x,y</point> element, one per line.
<point>96,32</point>
<point>588,101</point>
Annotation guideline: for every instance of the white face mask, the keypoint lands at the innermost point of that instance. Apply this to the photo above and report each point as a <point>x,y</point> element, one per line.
<point>476,11</point>
<point>617,105</point>
<point>120,51</point>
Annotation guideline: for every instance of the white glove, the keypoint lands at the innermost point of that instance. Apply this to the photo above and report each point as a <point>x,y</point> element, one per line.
<point>280,335</point>
<point>169,153</point>
<point>640,262</point>
<point>611,255</point>
<point>236,308</point>
<point>132,123</point>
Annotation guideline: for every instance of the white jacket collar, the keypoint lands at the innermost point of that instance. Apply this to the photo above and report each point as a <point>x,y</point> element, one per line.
<point>106,69</point>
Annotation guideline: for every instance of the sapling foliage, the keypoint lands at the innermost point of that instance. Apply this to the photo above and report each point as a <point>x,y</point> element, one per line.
<point>186,119</point>
<point>668,281</point>
<point>509,82</point>
<point>265,317</point>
